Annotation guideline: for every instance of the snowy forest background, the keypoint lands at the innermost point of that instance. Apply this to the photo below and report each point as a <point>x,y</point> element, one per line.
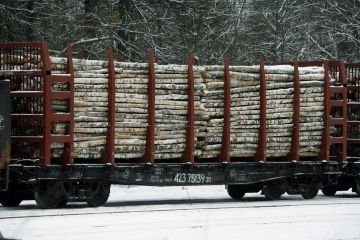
<point>244,29</point>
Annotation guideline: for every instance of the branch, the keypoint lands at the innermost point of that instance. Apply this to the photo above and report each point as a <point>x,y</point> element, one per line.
<point>319,46</point>
<point>85,41</point>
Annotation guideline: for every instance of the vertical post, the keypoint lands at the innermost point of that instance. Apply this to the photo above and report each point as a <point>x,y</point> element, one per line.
<point>109,154</point>
<point>343,81</point>
<point>325,148</point>
<point>120,57</point>
<point>150,139</point>
<point>80,55</point>
<point>261,150</point>
<point>46,144</point>
<point>188,155</point>
<point>68,155</point>
<point>225,145</point>
<point>295,137</point>
<point>342,73</point>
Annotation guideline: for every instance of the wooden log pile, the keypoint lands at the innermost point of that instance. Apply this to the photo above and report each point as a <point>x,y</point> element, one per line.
<point>131,79</point>
<point>90,106</point>
<point>23,61</point>
<point>245,110</point>
<point>27,60</point>
<point>170,110</point>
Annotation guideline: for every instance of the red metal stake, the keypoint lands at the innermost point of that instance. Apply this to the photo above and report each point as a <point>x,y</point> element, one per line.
<point>80,55</point>
<point>224,155</point>
<point>46,141</point>
<point>109,155</point>
<point>120,57</point>
<point>150,139</point>
<point>294,150</point>
<point>261,151</point>
<point>188,155</point>
<point>325,148</point>
<point>343,81</point>
<point>68,155</point>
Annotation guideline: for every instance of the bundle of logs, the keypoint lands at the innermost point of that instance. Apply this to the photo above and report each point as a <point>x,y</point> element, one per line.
<point>171,109</point>
<point>23,61</point>
<point>131,87</point>
<point>245,109</point>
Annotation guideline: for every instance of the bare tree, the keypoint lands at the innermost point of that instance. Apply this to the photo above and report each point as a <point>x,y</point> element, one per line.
<point>244,29</point>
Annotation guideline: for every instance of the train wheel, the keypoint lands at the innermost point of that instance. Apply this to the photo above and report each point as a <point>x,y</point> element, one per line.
<point>50,194</point>
<point>63,203</point>
<point>311,192</point>
<point>100,194</point>
<point>272,191</point>
<point>235,191</point>
<point>9,199</point>
<point>328,191</point>
<point>357,187</point>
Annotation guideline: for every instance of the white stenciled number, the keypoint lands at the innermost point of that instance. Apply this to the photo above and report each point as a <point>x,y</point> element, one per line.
<point>202,178</point>
<point>180,178</point>
<point>196,178</point>
<point>189,178</point>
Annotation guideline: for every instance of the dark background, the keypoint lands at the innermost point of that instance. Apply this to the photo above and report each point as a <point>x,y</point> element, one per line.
<point>244,29</point>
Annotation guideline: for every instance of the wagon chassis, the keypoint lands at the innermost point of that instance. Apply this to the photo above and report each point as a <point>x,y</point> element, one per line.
<point>176,174</point>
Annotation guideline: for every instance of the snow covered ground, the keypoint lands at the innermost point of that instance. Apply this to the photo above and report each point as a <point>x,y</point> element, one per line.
<point>204,212</point>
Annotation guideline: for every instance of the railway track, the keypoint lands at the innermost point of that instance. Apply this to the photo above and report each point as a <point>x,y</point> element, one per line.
<point>173,205</point>
<point>185,213</point>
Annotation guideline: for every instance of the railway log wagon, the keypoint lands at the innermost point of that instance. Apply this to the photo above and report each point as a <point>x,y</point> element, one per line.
<point>78,126</point>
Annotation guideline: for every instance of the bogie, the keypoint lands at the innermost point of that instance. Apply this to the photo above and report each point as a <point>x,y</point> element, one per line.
<point>235,191</point>
<point>329,190</point>
<point>50,194</point>
<point>273,190</point>
<point>99,194</point>
<point>10,199</point>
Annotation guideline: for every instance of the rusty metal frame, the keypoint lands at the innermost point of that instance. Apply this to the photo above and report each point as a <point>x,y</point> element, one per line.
<point>80,55</point>
<point>351,70</point>
<point>325,147</point>
<point>327,139</point>
<point>224,155</point>
<point>109,154</point>
<point>357,65</point>
<point>294,150</point>
<point>156,57</point>
<point>148,156</point>
<point>45,158</point>
<point>343,82</point>
<point>47,95</point>
<point>68,155</point>
<point>262,137</point>
<point>120,57</point>
<point>188,155</point>
<point>49,117</point>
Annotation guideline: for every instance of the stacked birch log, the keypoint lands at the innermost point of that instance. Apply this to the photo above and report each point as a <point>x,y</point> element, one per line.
<point>171,108</point>
<point>245,110</point>
<point>131,79</point>
<point>90,106</point>
<point>23,61</point>
<point>29,60</point>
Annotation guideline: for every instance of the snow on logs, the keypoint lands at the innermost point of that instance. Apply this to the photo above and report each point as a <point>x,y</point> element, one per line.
<point>131,79</point>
